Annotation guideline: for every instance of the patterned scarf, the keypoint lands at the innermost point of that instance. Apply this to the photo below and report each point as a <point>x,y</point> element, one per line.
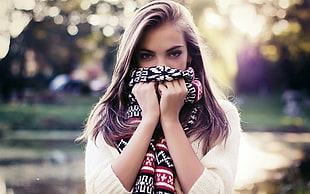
<point>157,171</point>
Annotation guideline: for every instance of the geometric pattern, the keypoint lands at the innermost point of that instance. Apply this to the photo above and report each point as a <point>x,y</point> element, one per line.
<point>163,73</point>
<point>157,172</point>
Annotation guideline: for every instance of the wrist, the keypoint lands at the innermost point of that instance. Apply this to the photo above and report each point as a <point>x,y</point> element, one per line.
<point>169,122</point>
<point>149,121</point>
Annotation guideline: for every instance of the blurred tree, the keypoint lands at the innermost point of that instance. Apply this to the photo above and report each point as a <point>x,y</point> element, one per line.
<point>260,45</point>
<point>58,37</point>
<point>12,71</point>
<point>61,36</point>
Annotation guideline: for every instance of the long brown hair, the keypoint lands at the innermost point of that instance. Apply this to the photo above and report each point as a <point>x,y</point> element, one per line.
<point>108,117</point>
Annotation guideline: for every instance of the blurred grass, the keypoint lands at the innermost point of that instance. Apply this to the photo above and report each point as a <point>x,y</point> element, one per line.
<point>69,113</point>
<point>41,131</point>
<point>266,113</point>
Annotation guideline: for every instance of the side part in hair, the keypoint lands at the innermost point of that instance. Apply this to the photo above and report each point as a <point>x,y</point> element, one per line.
<point>109,115</point>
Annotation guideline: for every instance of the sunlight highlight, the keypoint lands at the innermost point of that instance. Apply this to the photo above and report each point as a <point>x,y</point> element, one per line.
<point>213,20</point>
<point>260,154</point>
<point>85,5</point>
<point>19,22</point>
<point>24,4</point>
<point>72,30</point>
<point>108,31</point>
<point>280,26</point>
<point>284,4</point>
<point>246,20</point>
<point>5,43</point>
<point>94,19</point>
<point>53,11</point>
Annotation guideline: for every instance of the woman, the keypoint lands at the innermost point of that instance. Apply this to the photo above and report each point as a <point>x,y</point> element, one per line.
<point>161,126</point>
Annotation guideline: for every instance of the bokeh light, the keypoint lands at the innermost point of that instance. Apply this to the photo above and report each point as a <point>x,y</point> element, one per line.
<point>253,45</point>
<point>72,30</point>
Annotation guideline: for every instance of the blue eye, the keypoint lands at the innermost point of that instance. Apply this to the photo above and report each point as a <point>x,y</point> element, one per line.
<point>175,53</point>
<point>145,56</point>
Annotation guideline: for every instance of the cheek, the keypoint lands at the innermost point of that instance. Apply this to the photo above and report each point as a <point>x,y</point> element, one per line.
<point>178,65</point>
<point>143,65</point>
<point>183,63</point>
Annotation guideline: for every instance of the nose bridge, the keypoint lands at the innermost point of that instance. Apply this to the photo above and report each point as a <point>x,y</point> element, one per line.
<point>161,60</point>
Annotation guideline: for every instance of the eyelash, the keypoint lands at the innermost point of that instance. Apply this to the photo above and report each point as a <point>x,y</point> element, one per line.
<point>146,56</point>
<point>175,53</point>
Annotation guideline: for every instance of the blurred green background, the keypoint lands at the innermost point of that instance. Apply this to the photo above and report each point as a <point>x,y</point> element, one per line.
<point>57,57</point>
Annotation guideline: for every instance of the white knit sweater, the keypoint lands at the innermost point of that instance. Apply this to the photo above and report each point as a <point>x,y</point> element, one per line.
<point>218,176</point>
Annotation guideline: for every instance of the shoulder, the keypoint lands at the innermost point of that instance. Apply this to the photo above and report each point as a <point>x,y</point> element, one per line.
<point>228,107</point>
<point>232,114</point>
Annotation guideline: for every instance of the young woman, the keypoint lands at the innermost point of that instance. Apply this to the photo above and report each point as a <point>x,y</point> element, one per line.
<point>161,126</point>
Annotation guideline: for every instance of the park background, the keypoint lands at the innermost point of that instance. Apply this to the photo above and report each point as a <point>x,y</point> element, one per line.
<point>57,57</point>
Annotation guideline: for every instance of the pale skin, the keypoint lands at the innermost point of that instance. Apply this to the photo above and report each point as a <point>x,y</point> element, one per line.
<point>164,45</point>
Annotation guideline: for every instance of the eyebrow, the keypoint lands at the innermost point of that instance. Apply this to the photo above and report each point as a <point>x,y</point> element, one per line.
<point>175,47</point>
<point>171,49</point>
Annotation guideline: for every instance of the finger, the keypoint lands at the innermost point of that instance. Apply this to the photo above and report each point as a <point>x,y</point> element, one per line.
<point>143,87</point>
<point>161,88</point>
<point>135,87</point>
<point>182,83</point>
<point>178,85</point>
<point>169,84</point>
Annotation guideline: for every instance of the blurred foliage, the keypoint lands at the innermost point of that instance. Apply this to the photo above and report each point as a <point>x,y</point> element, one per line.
<point>257,46</point>
<point>69,113</point>
<point>66,35</point>
<point>265,113</point>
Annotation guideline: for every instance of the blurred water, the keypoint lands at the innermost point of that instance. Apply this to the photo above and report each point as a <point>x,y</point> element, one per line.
<point>268,159</point>
<point>265,161</point>
<point>38,165</point>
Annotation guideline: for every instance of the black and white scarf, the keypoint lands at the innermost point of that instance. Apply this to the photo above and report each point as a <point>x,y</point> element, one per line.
<point>157,173</point>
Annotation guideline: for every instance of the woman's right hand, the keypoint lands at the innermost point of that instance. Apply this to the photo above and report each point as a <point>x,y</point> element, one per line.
<point>146,96</point>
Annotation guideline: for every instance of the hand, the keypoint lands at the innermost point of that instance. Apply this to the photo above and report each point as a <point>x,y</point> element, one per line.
<point>145,94</point>
<point>172,94</point>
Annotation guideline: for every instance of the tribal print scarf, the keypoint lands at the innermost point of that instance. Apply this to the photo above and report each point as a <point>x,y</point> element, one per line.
<point>157,173</point>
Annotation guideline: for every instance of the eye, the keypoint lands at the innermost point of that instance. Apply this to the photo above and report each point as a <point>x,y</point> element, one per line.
<point>145,56</point>
<point>175,53</point>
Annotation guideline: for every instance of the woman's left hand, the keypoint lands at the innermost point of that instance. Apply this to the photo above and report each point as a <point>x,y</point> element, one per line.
<point>172,98</point>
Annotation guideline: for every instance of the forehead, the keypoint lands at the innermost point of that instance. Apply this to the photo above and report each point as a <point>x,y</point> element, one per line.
<point>165,35</point>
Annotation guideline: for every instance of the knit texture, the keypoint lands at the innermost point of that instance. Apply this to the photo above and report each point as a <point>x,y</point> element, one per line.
<point>218,176</point>
<point>157,174</point>
<point>161,74</point>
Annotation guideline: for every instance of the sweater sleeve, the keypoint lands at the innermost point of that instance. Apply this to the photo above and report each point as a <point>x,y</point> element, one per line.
<point>221,161</point>
<point>99,176</point>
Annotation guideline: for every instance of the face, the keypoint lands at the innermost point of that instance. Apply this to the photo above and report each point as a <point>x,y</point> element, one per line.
<point>163,46</point>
